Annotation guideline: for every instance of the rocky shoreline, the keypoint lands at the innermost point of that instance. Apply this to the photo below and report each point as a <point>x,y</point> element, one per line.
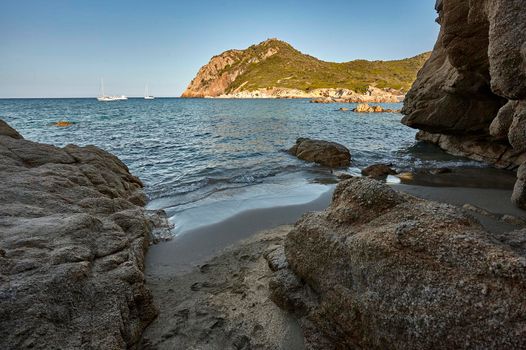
<point>470,96</point>
<point>410,273</point>
<point>383,267</point>
<point>329,95</point>
<point>73,237</point>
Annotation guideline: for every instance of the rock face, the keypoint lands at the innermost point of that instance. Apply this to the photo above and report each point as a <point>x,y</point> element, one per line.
<point>331,154</point>
<point>274,69</point>
<point>73,235</point>
<point>409,274</point>
<point>472,91</point>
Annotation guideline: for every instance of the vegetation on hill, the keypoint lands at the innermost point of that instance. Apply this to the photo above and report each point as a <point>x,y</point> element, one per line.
<point>289,68</point>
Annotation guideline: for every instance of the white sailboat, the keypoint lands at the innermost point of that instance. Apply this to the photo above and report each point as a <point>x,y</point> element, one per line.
<point>107,98</point>
<point>147,95</point>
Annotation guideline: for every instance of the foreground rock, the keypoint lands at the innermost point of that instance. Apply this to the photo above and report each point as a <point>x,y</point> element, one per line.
<point>330,154</point>
<point>470,97</point>
<point>385,270</point>
<point>73,235</point>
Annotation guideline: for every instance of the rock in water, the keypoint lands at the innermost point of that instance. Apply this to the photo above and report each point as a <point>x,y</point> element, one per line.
<point>326,153</point>
<point>378,171</point>
<point>73,234</point>
<point>384,270</point>
<point>63,124</point>
<point>366,108</point>
<point>470,97</point>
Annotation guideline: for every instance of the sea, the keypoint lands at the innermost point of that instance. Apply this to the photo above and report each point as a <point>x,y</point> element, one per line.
<point>205,160</point>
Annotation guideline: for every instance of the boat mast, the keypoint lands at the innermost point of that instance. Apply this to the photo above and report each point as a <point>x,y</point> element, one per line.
<point>101,87</point>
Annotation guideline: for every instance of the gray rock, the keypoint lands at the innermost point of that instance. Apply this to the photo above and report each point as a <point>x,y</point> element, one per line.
<point>326,153</point>
<point>6,130</point>
<point>500,126</point>
<point>519,191</point>
<point>471,94</point>
<point>72,244</point>
<point>403,273</point>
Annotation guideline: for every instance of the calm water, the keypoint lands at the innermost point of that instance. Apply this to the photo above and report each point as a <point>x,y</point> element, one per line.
<point>186,150</point>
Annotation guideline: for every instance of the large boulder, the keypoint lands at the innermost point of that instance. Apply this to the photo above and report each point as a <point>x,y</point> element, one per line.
<point>326,153</point>
<point>384,270</point>
<point>473,88</point>
<point>73,236</point>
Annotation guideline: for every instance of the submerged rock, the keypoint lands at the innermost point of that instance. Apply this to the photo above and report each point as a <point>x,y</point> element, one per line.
<point>384,270</point>
<point>72,243</point>
<point>326,153</point>
<point>63,123</point>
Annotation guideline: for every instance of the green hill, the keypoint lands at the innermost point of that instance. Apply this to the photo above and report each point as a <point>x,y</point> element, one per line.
<point>274,63</point>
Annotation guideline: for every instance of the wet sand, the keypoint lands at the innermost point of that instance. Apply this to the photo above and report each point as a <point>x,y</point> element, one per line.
<point>196,246</point>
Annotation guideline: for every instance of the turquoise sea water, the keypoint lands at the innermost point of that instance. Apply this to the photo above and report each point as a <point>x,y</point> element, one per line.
<point>188,150</point>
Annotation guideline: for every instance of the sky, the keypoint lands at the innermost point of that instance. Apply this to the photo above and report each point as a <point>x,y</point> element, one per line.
<point>62,48</point>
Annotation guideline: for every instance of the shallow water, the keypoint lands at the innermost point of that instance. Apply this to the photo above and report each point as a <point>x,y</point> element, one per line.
<point>200,152</point>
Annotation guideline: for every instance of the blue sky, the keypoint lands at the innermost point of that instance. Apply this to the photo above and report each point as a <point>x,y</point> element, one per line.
<point>61,48</point>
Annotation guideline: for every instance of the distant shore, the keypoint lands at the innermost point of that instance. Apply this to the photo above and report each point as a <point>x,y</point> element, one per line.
<point>323,95</point>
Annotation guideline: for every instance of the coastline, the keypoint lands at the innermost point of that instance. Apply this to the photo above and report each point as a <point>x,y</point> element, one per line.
<point>322,95</point>
<point>216,282</point>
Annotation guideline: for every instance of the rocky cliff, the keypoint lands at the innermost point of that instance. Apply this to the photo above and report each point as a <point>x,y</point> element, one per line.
<point>73,235</point>
<point>381,269</point>
<point>470,96</point>
<point>274,68</point>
